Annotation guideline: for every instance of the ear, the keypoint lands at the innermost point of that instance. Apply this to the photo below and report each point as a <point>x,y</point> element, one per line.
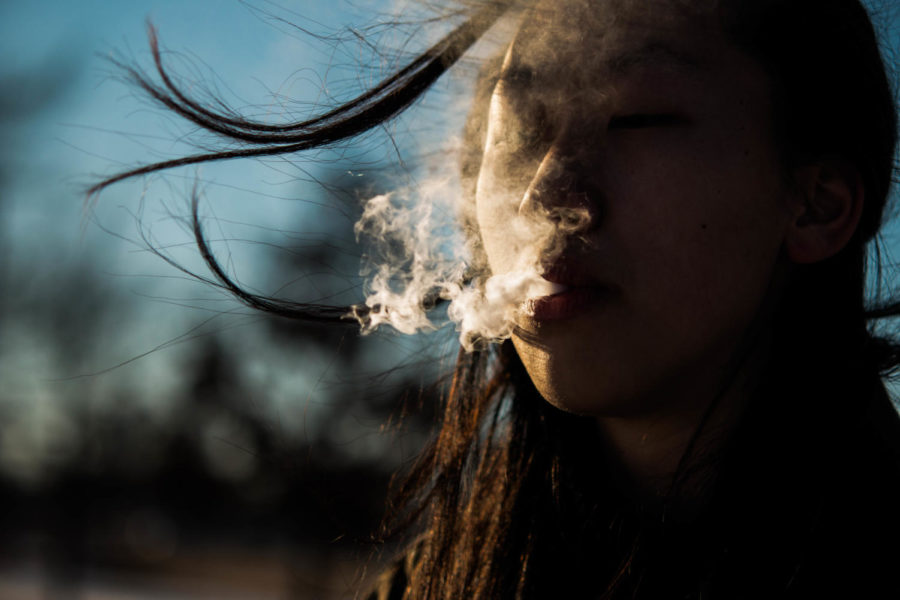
<point>826,210</point>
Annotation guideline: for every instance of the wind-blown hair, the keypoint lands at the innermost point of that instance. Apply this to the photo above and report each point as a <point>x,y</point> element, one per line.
<point>508,501</point>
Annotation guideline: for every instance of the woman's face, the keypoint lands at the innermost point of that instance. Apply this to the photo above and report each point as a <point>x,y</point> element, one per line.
<point>647,117</point>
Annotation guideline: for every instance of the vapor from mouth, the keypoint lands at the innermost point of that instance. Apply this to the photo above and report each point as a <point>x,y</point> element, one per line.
<point>417,254</point>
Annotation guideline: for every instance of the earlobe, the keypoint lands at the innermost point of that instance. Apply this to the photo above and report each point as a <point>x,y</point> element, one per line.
<point>827,209</point>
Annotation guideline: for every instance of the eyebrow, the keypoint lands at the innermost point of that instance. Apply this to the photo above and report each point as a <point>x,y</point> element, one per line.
<point>654,53</point>
<point>650,54</point>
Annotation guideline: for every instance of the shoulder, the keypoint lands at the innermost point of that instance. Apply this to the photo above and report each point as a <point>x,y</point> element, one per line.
<point>855,544</point>
<point>813,503</point>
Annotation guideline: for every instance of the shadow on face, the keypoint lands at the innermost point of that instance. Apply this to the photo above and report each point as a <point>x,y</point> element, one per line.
<point>648,118</point>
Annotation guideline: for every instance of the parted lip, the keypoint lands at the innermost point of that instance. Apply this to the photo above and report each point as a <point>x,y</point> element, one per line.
<point>576,289</point>
<point>571,271</point>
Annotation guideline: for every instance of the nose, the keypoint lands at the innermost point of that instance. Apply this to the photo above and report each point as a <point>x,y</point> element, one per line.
<point>560,188</point>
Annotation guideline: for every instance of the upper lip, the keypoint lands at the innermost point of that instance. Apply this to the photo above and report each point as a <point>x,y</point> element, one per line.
<point>570,271</point>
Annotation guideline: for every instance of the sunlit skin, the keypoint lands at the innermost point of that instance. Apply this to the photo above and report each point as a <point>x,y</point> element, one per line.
<point>646,115</point>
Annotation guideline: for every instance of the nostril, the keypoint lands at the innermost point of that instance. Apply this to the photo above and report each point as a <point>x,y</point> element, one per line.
<point>571,210</point>
<point>577,214</point>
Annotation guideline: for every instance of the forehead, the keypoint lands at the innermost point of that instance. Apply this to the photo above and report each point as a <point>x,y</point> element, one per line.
<point>591,35</point>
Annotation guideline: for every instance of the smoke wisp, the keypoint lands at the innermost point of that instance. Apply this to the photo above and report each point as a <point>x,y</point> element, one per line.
<point>418,253</point>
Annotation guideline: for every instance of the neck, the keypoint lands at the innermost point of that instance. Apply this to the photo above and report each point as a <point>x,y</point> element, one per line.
<point>669,451</point>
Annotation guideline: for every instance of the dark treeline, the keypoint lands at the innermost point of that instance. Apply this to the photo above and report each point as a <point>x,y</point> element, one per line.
<point>101,484</point>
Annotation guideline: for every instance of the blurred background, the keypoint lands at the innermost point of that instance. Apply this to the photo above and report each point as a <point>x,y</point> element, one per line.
<point>157,440</point>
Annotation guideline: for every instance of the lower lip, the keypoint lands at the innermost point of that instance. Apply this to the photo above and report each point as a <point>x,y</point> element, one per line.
<point>567,304</point>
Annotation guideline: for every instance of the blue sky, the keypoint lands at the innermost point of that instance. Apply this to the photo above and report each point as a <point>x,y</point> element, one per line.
<point>86,123</point>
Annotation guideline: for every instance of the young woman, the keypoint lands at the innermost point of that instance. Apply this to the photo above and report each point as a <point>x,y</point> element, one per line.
<point>697,410</point>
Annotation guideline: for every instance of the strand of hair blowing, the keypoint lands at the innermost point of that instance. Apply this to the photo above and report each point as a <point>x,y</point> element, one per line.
<point>385,101</point>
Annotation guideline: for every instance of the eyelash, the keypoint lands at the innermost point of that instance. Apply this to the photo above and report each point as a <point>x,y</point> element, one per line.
<point>536,127</point>
<point>641,121</point>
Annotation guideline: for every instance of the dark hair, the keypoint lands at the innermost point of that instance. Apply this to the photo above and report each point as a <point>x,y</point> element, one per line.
<point>502,503</point>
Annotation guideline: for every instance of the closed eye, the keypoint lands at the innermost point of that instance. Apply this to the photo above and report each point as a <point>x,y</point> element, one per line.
<point>640,121</point>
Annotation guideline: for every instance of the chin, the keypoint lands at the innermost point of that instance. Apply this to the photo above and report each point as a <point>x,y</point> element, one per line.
<point>594,403</point>
<point>587,392</point>
<point>569,380</point>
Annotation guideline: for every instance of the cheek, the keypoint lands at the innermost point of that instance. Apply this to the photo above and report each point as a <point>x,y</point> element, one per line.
<point>497,200</point>
<point>701,239</point>
<point>491,215</point>
<point>701,198</point>
<point>698,235</point>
